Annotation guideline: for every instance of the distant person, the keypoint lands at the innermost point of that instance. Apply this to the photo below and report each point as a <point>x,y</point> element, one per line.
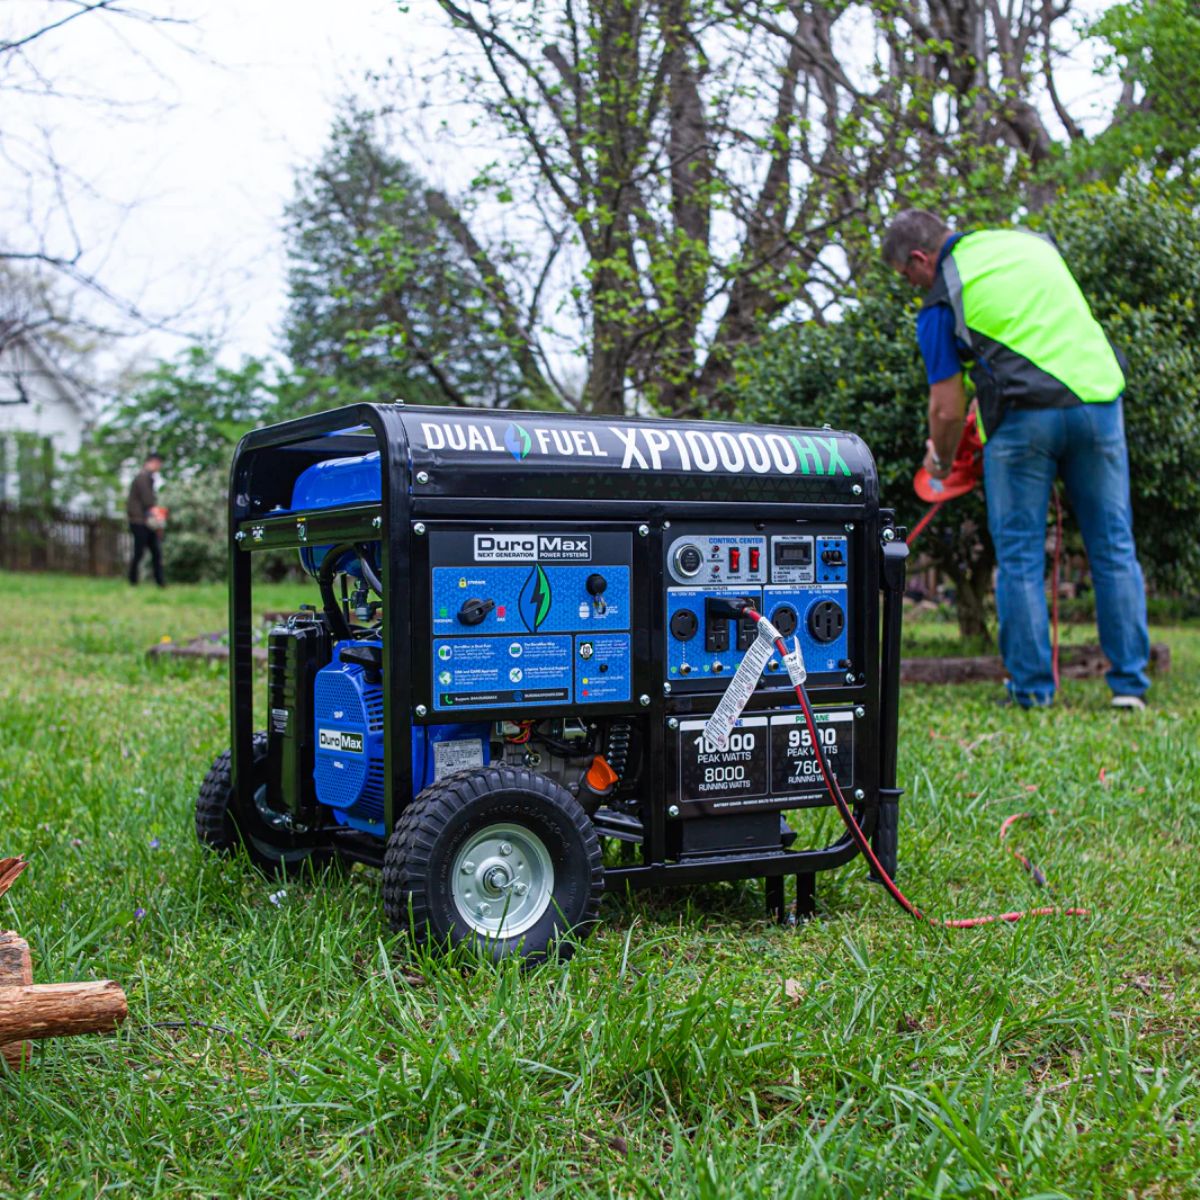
<point>1048,386</point>
<point>144,521</point>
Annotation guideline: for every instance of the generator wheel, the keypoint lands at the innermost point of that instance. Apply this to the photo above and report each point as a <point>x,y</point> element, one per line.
<point>502,859</point>
<point>270,845</point>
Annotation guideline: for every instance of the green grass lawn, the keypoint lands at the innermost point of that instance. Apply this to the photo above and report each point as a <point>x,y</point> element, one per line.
<point>281,1043</point>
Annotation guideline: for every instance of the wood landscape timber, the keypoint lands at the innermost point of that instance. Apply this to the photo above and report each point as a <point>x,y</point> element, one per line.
<point>29,1010</point>
<point>1078,662</point>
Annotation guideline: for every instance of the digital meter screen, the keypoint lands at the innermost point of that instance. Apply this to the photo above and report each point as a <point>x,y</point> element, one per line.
<point>793,554</point>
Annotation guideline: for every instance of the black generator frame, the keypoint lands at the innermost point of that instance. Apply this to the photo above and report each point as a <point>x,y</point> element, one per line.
<point>264,469</point>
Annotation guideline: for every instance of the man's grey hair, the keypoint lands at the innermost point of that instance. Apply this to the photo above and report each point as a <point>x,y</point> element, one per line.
<point>913,229</point>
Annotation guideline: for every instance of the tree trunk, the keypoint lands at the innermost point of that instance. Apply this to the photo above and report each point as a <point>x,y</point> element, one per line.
<point>972,589</point>
<point>968,560</point>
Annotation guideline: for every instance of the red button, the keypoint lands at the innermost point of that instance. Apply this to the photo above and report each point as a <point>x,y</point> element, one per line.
<point>735,558</point>
<point>754,558</point>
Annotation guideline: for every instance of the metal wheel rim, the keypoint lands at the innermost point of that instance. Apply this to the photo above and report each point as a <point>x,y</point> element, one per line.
<point>502,880</point>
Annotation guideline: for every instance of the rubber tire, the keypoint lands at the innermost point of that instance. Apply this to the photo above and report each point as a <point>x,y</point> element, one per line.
<point>417,894</point>
<point>221,828</point>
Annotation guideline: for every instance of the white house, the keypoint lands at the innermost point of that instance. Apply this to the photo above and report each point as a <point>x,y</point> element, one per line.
<point>39,407</point>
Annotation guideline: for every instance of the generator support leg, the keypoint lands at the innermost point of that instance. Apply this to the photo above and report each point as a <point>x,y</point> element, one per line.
<point>806,897</point>
<point>775,904</point>
<point>884,840</point>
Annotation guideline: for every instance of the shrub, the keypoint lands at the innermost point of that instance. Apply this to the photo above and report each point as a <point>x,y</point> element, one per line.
<point>195,546</point>
<point>1135,250</point>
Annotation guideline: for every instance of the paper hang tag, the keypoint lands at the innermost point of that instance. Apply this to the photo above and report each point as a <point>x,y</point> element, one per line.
<point>741,687</point>
<point>794,661</point>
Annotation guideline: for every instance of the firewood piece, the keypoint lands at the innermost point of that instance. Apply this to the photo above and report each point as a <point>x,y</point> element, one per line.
<point>43,1010</point>
<point>16,967</point>
<point>10,868</point>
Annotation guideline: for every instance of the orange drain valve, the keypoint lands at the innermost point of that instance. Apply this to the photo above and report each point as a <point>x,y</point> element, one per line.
<point>600,778</point>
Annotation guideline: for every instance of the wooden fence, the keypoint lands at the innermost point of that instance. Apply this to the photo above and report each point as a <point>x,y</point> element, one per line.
<point>41,539</point>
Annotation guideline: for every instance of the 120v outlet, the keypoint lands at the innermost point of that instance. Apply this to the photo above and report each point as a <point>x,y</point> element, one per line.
<point>826,620</point>
<point>684,625</point>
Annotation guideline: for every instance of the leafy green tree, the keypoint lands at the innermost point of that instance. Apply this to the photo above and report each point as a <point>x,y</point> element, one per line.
<point>1155,47</point>
<point>191,409</point>
<point>384,299</point>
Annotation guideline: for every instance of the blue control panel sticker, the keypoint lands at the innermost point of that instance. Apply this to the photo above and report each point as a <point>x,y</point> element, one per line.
<point>530,598</point>
<point>693,656</point>
<point>484,672</point>
<point>602,673</point>
<point>791,610</point>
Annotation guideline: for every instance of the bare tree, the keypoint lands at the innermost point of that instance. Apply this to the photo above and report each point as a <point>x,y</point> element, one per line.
<point>39,225</point>
<point>702,167</point>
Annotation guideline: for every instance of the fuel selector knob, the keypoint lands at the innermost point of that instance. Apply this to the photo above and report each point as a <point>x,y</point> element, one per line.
<point>596,586</point>
<point>688,560</point>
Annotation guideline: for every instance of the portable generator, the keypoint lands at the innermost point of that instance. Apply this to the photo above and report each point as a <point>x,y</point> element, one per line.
<point>521,624</point>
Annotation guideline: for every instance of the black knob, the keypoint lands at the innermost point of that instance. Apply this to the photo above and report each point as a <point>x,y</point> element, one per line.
<point>475,610</point>
<point>596,585</point>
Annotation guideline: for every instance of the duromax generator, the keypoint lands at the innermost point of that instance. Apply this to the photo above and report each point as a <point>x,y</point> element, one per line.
<point>524,622</point>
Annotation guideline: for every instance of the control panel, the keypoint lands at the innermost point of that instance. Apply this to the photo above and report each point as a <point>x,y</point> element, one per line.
<point>796,576</point>
<point>531,618</point>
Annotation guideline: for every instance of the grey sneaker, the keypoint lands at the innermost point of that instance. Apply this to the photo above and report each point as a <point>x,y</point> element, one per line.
<point>1128,703</point>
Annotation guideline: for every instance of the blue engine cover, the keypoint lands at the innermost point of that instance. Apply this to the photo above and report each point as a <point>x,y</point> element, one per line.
<point>331,484</point>
<point>348,716</point>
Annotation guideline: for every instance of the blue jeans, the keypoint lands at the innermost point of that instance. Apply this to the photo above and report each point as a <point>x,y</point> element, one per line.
<point>1086,446</point>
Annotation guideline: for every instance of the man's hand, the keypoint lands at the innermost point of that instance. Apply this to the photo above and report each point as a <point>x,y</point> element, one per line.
<point>937,468</point>
<point>947,408</point>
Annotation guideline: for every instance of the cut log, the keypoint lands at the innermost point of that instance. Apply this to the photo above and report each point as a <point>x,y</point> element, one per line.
<point>43,1010</point>
<point>16,968</point>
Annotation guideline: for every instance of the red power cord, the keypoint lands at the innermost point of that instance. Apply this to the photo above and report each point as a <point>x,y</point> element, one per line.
<point>860,838</point>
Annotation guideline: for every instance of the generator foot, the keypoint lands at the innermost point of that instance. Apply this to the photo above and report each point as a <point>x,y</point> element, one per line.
<point>776,907</point>
<point>806,897</point>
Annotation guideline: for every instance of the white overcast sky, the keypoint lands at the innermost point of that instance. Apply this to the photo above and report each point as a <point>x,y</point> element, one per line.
<point>193,166</point>
<point>188,170</point>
